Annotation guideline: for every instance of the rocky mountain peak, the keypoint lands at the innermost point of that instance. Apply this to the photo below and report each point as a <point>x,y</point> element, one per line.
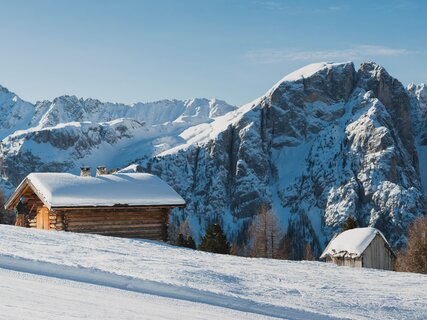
<point>325,142</point>
<point>334,81</point>
<point>4,89</point>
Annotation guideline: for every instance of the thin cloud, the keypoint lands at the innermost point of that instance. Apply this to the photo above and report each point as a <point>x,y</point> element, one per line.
<point>270,5</point>
<point>290,7</point>
<point>272,56</point>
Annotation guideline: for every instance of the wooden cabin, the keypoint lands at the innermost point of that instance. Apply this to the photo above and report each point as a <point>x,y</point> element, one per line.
<point>360,247</point>
<point>134,205</point>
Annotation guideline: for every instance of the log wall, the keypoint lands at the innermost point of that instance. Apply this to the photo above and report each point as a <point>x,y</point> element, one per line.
<point>147,223</point>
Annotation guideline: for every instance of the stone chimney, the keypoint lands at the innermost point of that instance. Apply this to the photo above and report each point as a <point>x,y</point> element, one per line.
<point>85,171</point>
<point>100,170</point>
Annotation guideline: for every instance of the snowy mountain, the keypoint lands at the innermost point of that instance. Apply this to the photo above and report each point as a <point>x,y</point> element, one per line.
<point>69,132</point>
<point>326,141</point>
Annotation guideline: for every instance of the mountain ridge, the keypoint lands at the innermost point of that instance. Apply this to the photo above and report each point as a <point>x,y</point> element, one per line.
<point>321,144</point>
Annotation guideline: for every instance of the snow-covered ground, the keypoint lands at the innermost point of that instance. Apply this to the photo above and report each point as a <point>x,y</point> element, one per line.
<point>97,276</point>
<point>28,296</point>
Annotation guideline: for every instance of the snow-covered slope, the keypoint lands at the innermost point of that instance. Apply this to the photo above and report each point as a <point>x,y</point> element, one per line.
<point>326,141</point>
<point>78,300</point>
<point>277,288</point>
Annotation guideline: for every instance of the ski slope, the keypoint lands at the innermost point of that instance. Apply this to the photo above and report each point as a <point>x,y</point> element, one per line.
<point>28,296</point>
<point>104,275</point>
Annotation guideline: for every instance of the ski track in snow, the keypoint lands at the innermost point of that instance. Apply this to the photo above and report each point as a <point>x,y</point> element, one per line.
<point>246,287</point>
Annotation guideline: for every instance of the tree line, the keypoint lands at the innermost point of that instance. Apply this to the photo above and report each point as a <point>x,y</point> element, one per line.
<point>267,240</point>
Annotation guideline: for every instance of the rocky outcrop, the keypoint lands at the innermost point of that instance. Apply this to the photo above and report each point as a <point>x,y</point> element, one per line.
<point>314,149</point>
<point>325,142</point>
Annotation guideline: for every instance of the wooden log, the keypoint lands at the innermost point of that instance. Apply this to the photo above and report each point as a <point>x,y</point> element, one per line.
<point>119,229</point>
<point>113,221</point>
<point>113,217</point>
<point>120,232</point>
<point>109,218</point>
<point>115,213</point>
<point>136,236</point>
<point>128,235</point>
<point>115,208</point>
<point>125,224</point>
<point>115,228</point>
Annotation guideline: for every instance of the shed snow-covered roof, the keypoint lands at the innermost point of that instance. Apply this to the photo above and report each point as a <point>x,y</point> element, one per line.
<point>129,189</point>
<point>351,243</point>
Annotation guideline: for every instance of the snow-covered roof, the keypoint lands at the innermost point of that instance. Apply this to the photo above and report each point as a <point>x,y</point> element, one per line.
<point>351,243</point>
<point>131,189</point>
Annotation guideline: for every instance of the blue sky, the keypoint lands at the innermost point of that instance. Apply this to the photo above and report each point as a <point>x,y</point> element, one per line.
<point>130,51</point>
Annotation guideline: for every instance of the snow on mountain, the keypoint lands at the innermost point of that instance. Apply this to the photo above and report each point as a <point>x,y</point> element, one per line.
<point>68,132</point>
<point>87,270</point>
<point>326,141</point>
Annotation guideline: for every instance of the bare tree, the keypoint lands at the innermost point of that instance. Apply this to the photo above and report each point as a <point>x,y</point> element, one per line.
<point>184,228</point>
<point>414,257</point>
<point>308,253</point>
<point>265,234</point>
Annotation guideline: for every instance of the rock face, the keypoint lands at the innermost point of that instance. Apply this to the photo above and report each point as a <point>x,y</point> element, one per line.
<point>315,148</point>
<point>418,95</point>
<point>325,142</point>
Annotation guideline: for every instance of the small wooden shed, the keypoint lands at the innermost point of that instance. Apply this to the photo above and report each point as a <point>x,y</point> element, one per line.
<point>360,247</point>
<point>135,205</point>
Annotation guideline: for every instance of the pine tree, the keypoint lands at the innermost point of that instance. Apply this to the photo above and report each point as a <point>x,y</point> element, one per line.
<point>349,223</point>
<point>190,243</point>
<point>186,242</point>
<point>215,240</point>
<point>180,241</point>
